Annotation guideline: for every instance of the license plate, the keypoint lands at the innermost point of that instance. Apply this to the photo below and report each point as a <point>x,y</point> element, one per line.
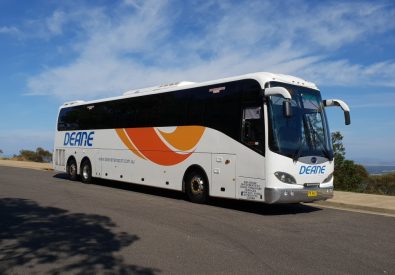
<point>312,193</point>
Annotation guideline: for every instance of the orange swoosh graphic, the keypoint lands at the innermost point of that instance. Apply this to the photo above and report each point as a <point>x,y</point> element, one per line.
<point>147,143</point>
<point>122,135</point>
<point>153,148</point>
<point>184,138</point>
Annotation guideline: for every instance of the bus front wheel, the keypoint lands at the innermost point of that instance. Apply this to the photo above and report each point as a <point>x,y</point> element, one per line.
<point>86,171</point>
<point>72,169</point>
<point>196,186</point>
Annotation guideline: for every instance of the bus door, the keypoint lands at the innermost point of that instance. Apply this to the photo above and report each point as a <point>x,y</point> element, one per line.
<point>253,128</point>
<point>250,181</point>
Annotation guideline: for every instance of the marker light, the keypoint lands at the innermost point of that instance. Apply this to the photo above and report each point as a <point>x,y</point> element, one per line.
<point>285,177</point>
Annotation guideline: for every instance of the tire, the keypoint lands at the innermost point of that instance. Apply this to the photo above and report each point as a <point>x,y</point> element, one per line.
<point>86,171</point>
<point>72,169</point>
<point>196,186</point>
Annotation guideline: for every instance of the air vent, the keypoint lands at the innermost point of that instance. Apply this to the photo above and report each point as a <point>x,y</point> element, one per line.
<point>311,185</point>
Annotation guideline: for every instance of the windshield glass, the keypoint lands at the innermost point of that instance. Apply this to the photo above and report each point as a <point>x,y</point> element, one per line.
<point>305,133</point>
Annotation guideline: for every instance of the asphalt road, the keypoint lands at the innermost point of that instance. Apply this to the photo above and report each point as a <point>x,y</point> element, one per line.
<point>49,224</point>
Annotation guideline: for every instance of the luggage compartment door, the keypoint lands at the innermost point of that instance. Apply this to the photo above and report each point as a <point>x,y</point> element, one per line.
<point>223,175</point>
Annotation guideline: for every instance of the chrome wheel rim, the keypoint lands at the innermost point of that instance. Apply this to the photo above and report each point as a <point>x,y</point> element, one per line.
<point>85,171</point>
<point>197,185</point>
<point>73,169</point>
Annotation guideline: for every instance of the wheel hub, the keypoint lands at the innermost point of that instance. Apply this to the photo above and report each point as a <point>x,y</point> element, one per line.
<point>73,169</point>
<point>85,171</point>
<point>197,185</point>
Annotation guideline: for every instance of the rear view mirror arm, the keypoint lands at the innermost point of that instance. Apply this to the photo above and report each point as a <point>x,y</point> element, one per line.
<point>341,104</point>
<point>281,91</point>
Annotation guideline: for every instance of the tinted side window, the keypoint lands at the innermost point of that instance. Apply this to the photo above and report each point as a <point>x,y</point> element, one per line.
<point>197,106</point>
<point>223,110</point>
<point>72,118</point>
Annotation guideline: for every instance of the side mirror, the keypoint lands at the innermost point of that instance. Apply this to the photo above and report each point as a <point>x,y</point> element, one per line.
<point>347,118</point>
<point>277,91</point>
<point>287,108</point>
<point>281,91</point>
<point>341,104</point>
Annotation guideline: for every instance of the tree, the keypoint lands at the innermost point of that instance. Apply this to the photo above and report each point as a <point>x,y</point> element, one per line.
<point>347,175</point>
<point>44,155</point>
<point>28,155</point>
<point>40,155</point>
<point>1,151</point>
<point>338,148</point>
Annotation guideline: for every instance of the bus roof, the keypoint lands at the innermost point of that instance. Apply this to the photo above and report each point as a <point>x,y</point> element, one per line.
<point>261,77</point>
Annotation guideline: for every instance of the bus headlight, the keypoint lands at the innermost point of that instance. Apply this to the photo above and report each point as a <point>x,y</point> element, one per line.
<point>285,177</point>
<point>328,178</point>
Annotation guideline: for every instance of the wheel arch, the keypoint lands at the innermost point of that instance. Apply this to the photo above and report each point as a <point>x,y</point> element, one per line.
<point>72,158</point>
<point>86,158</point>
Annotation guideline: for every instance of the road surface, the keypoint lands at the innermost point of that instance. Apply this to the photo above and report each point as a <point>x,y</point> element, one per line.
<point>49,224</point>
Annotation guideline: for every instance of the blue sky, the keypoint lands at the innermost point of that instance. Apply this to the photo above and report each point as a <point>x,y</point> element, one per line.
<point>55,51</point>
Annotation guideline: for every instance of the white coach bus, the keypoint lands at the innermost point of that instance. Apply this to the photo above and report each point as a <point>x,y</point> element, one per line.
<point>260,136</point>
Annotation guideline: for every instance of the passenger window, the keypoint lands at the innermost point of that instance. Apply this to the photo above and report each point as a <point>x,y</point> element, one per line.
<point>253,128</point>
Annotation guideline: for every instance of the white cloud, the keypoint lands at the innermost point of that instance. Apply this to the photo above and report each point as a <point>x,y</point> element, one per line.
<point>335,24</point>
<point>152,42</point>
<point>55,22</point>
<point>9,30</point>
<point>343,72</point>
<point>376,98</point>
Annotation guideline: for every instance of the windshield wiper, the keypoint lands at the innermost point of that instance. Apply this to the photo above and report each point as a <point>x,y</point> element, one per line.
<point>326,153</point>
<point>318,137</point>
<point>297,152</point>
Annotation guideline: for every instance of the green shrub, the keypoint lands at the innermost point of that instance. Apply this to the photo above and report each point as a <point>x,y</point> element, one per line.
<point>40,155</point>
<point>349,176</point>
<point>381,184</point>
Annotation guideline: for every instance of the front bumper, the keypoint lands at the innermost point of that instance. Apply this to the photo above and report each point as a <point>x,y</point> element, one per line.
<point>273,195</point>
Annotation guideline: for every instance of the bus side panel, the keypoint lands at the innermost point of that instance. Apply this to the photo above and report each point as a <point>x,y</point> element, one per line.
<point>120,163</point>
<point>228,180</point>
<point>96,163</point>
<point>175,173</point>
<point>250,182</point>
<point>122,166</point>
<point>226,162</point>
<point>223,175</point>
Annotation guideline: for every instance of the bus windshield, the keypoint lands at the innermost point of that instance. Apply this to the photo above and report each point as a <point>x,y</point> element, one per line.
<point>306,132</point>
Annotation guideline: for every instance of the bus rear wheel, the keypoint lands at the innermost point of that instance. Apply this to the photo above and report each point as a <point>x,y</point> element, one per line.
<point>196,186</point>
<point>72,169</point>
<point>86,171</point>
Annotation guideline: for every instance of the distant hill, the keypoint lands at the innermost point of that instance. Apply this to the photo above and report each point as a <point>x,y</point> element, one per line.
<point>380,169</point>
